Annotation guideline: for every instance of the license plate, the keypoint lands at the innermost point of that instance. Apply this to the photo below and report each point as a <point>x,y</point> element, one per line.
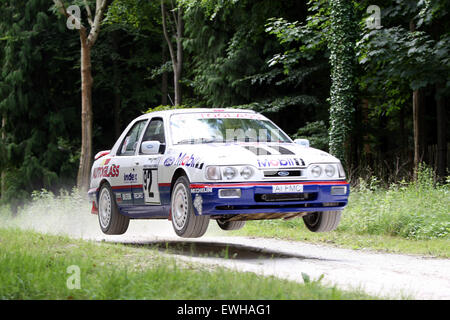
<point>287,188</point>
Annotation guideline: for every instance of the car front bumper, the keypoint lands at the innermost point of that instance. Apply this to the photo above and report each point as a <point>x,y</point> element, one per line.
<point>259,197</point>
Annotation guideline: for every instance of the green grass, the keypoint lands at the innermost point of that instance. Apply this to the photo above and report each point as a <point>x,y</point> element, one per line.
<point>34,266</point>
<point>404,218</point>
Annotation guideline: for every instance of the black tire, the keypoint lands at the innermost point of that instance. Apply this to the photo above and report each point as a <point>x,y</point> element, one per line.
<point>322,221</point>
<point>109,217</point>
<point>184,221</point>
<point>230,225</point>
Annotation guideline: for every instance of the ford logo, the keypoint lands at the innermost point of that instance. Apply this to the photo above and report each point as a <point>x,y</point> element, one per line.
<point>283,173</point>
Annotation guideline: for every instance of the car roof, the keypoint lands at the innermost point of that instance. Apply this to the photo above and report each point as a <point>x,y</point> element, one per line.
<point>192,110</point>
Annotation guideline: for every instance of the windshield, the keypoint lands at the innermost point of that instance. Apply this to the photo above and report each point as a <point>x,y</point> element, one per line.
<point>196,128</point>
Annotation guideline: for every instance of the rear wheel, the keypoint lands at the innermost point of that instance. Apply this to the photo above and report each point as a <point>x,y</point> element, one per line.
<point>184,221</point>
<point>322,221</point>
<point>109,217</point>
<point>230,225</point>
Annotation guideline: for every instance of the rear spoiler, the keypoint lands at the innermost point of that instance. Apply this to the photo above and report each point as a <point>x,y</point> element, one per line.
<point>102,154</point>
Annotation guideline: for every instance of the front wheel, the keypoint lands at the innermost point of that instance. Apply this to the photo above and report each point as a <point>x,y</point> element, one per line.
<point>184,221</point>
<point>322,221</point>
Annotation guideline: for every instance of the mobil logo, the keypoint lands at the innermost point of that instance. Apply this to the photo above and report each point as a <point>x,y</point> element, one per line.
<point>267,163</point>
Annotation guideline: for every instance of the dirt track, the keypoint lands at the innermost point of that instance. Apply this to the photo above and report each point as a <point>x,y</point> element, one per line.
<point>388,275</point>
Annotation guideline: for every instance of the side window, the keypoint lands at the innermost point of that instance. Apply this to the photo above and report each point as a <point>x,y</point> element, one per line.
<point>129,144</point>
<point>155,132</point>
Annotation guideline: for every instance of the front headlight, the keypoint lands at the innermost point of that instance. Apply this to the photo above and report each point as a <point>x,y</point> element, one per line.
<point>246,173</point>
<point>213,173</point>
<point>330,170</point>
<point>229,173</point>
<point>316,171</point>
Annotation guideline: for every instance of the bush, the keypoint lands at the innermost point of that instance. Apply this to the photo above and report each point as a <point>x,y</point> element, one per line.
<point>415,210</point>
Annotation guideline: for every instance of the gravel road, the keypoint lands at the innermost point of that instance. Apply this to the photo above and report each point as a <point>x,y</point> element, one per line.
<point>387,275</point>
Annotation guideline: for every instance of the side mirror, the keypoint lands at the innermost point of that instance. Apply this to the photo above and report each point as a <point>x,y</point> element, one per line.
<point>150,147</point>
<point>302,142</point>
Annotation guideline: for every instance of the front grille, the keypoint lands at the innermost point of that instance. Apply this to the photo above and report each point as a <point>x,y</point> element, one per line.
<point>282,173</point>
<point>278,197</point>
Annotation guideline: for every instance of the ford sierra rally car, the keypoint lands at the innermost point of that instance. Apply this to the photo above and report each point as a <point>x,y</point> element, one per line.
<point>229,165</point>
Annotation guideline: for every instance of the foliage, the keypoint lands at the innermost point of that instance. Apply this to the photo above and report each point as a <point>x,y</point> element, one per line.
<point>317,134</point>
<point>38,121</point>
<point>395,59</point>
<point>342,60</point>
<point>415,210</point>
<point>163,108</point>
<point>274,57</point>
<point>231,50</point>
<point>328,32</point>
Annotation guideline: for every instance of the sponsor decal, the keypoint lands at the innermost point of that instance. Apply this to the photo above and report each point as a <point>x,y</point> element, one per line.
<point>106,171</point>
<point>201,190</point>
<point>188,161</point>
<point>130,177</point>
<point>169,161</point>
<point>126,196</point>
<point>139,195</point>
<point>289,162</point>
<point>232,115</point>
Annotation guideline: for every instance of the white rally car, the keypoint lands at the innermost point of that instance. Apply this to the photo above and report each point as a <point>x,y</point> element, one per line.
<point>230,165</point>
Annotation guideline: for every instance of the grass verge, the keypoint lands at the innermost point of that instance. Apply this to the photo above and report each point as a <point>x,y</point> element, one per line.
<point>409,218</point>
<point>35,266</point>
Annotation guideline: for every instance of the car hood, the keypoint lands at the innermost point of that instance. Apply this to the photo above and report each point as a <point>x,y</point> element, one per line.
<point>260,155</point>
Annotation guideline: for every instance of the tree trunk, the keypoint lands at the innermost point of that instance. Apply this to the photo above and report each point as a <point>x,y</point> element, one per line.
<point>86,115</point>
<point>116,87</point>
<point>87,40</point>
<point>417,120</point>
<point>176,57</point>
<point>403,140</point>
<point>418,128</point>
<point>179,65</point>
<point>441,117</point>
<point>3,174</point>
<point>164,78</point>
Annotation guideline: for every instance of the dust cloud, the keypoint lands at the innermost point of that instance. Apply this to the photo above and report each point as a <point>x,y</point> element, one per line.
<point>70,215</point>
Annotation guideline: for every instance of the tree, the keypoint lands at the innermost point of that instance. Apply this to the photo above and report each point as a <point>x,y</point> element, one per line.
<point>39,135</point>
<point>87,41</point>
<point>176,54</point>
<point>409,57</point>
<point>341,44</point>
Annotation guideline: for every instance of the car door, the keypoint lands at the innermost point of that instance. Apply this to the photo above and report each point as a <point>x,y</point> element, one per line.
<point>146,166</point>
<point>125,159</point>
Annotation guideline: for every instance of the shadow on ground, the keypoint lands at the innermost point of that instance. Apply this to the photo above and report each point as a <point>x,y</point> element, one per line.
<point>215,250</point>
